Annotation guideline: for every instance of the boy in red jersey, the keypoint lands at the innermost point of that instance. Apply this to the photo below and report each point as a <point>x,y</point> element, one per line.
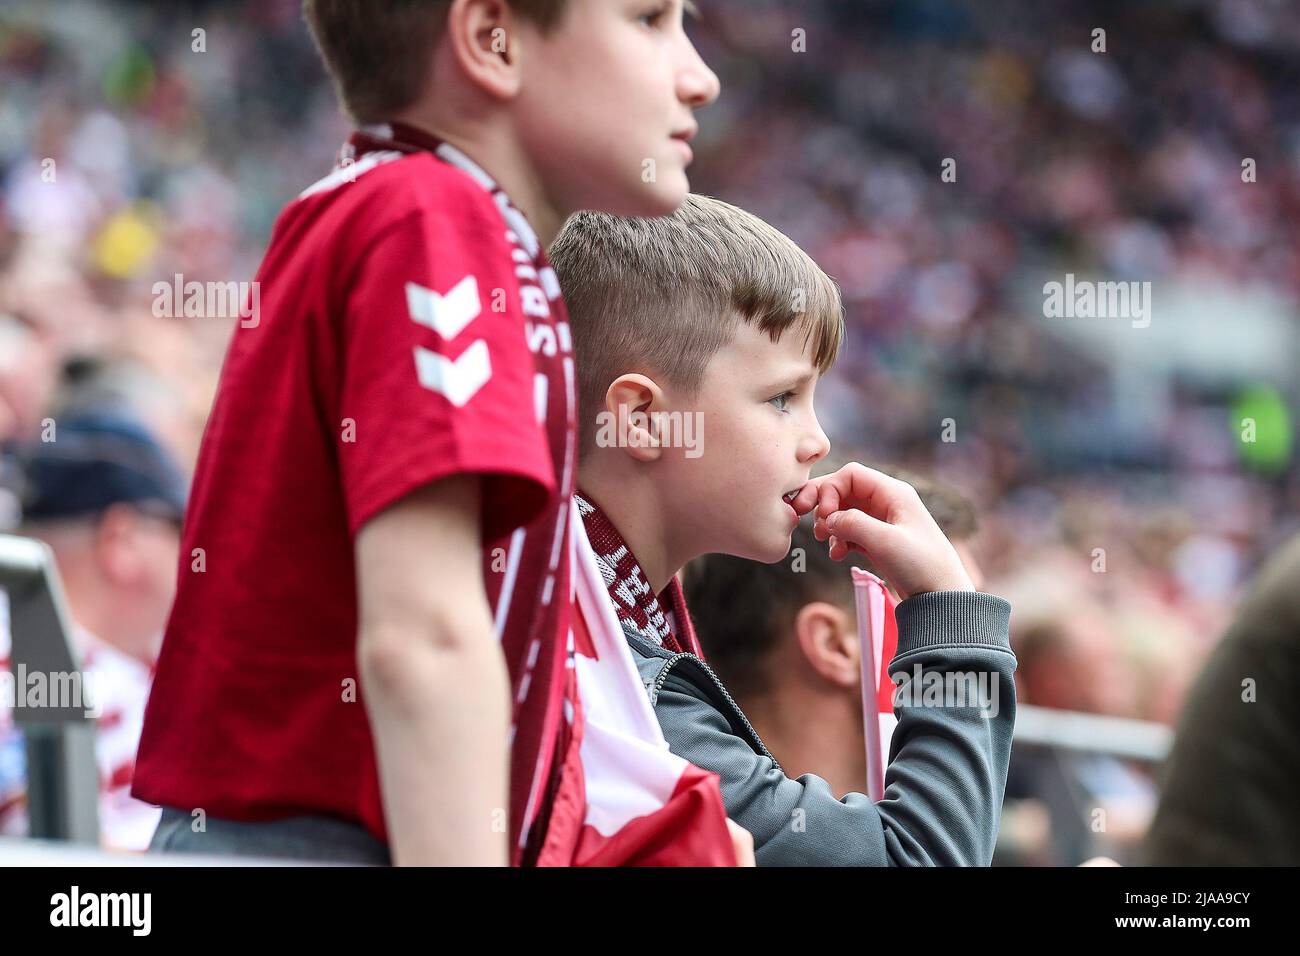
<point>383,489</point>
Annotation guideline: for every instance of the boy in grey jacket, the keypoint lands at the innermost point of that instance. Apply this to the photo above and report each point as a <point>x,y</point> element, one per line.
<point>783,637</point>
<point>700,338</point>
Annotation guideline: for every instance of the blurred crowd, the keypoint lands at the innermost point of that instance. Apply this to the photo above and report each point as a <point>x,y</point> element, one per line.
<point>1121,509</point>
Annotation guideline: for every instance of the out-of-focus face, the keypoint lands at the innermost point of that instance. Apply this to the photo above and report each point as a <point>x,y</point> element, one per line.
<point>27,379</point>
<point>760,442</point>
<point>1096,662</point>
<point>160,546</point>
<point>607,105</point>
<point>138,555</point>
<point>1086,672</point>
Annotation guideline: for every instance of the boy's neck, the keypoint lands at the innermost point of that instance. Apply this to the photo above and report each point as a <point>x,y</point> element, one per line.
<point>505,161</point>
<point>643,523</point>
<point>782,715</point>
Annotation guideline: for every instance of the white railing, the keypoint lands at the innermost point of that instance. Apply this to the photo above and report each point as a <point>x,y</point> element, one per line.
<point>22,852</point>
<point>1116,736</point>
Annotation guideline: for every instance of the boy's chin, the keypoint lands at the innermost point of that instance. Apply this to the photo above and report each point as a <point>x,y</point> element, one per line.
<point>766,552</point>
<point>667,196</point>
<point>652,200</point>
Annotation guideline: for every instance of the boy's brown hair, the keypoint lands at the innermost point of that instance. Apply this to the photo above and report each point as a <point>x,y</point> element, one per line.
<point>377,51</point>
<point>662,295</point>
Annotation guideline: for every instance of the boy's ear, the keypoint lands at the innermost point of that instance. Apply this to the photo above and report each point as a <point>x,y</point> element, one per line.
<point>482,36</point>
<point>627,421</point>
<point>829,642</point>
<point>115,545</point>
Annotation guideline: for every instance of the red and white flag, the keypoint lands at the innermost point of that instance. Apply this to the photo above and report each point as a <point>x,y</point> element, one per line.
<point>878,642</point>
<point>640,804</point>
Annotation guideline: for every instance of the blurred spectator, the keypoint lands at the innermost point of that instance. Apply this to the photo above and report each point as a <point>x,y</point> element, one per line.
<point>27,377</point>
<point>1231,794</point>
<point>109,501</point>
<point>1063,807</point>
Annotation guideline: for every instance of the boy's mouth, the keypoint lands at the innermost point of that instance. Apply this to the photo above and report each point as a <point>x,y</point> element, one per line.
<point>788,498</point>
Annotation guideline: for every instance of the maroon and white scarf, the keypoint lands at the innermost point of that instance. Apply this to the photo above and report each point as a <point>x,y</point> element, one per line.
<point>533,628</point>
<point>635,602</point>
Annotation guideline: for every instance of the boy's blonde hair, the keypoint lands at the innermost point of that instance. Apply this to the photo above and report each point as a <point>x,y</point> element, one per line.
<point>661,296</point>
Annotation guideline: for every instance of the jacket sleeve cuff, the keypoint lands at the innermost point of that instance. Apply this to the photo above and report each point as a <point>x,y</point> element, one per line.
<point>953,617</point>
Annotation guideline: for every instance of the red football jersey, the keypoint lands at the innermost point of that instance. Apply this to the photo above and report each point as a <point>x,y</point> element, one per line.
<point>409,329</point>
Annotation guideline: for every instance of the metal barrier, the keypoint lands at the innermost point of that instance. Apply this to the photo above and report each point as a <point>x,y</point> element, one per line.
<point>62,776</point>
<point>1117,736</point>
<point>17,852</point>
<point>63,783</point>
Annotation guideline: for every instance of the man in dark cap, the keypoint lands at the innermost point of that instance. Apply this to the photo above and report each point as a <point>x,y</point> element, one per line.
<point>108,500</point>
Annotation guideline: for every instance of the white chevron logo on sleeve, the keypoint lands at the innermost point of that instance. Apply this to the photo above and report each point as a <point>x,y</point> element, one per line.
<point>445,314</point>
<point>458,380</point>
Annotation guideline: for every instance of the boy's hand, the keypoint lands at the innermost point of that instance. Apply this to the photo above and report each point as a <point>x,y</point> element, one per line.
<point>742,841</point>
<point>861,509</point>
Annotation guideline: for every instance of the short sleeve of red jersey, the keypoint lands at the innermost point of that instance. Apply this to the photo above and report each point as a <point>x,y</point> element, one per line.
<point>438,377</point>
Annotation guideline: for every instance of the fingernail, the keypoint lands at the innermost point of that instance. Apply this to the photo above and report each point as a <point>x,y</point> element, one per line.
<point>832,521</point>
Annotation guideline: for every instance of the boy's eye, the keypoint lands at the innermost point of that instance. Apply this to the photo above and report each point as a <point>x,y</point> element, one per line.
<point>783,399</point>
<point>652,18</point>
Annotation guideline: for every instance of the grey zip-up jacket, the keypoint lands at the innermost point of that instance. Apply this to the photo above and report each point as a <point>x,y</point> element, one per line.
<point>947,764</point>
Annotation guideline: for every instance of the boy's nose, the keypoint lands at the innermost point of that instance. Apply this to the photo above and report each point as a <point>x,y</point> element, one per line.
<point>697,85</point>
<point>816,446</point>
